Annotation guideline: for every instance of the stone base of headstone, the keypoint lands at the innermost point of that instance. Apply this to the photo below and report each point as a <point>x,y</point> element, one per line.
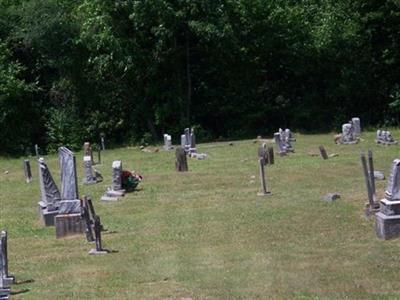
<point>111,195</point>
<point>7,281</point>
<point>70,207</point>
<point>71,224</point>
<point>46,216</point>
<point>5,293</point>
<point>97,252</point>
<point>264,194</point>
<point>384,143</point>
<point>89,182</point>
<point>387,227</point>
<point>348,143</point>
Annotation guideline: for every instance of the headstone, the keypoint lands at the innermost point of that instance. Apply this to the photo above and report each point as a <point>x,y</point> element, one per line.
<point>50,196</point>
<point>357,126</point>
<point>97,231</point>
<point>183,141</point>
<point>187,139</point>
<point>103,146</point>
<point>181,164</point>
<point>285,140</point>
<point>87,151</point>
<point>370,193</point>
<point>271,158</point>
<point>264,191</point>
<point>348,135</point>
<point>323,152</point>
<point>278,141</point>
<point>262,153</point>
<point>4,275</point>
<point>379,175</point>
<point>85,213</point>
<point>385,138</point>
<point>387,220</point>
<point>27,171</point>
<point>5,279</point>
<point>115,191</point>
<point>37,150</point>
<point>290,135</point>
<point>69,220</point>
<point>167,142</point>
<point>92,176</point>
<point>192,148</point>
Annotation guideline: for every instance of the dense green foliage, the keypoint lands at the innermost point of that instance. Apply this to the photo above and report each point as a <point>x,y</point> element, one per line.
<point>70,70</point>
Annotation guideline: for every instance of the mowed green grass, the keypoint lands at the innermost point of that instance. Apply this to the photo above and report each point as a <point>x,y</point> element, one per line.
<point>206,234</point>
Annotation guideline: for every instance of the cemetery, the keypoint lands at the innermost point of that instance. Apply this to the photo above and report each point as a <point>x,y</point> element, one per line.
<point>199,149</point>
<point>201,228</point>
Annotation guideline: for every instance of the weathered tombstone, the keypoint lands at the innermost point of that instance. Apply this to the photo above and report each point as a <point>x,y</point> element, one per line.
<point>99,156</point>
<point>357,126</point>
<point>50,196</point>
<point>5,279</point>
<point>387,220</point>
<point>37,150</point>
<point>187,140</point>
<point>278,141</point>
<point>323,152</point>
<point>264,191</point>
<point>371,172</point>
<point>371,202</point>
<point>92,176</point>
<point>183,141</point>
<point>167,142</point>
<point>348,135</point>
<point>385,138</point>
<point>285,140</point>
<point>27,171</point>
<point>85,213</point>
<point>103,146</point>
<point>290,135</point>
<point>97,231</point>
<point>262,153</point>
<point>69,220</point>
<point>115,191</point>
<point>271,158</point>
<point>87,151</point>
<point>192,147</point>
<point>181,164</point>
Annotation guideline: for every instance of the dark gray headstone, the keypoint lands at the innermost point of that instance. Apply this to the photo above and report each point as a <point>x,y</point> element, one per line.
<point>323,152</point>
<point>50,195</point>
<point>181,160</point>
<point>27,171</point>
<point>278,141</point>
<point>116,175</point>
<point>5,278</point>
<point>70,203</point>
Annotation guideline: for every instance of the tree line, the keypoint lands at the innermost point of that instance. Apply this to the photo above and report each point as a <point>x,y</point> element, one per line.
<point>133,69</point>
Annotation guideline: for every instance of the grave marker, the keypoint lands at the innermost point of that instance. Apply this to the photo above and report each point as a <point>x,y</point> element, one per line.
<point>115,191</point>
<point>264,191</point>
<point>181,164</point>
<point>323,152</point>
<point>27,171</point>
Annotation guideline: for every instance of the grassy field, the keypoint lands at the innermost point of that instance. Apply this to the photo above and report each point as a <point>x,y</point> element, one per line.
<point>206,235</point>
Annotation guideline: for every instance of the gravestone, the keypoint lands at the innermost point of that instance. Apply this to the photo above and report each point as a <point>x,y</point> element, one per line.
<point>262,153</point>
<point>103,145</point>
<point>286,140</point>
<point>387,220</point>
<point>50,196</point>
<point>181,164</point>
<point>97,231</point>
<point>5,279</point>
<point>167,142</point>
<point>85,214</point>
<point>384,137</point>
<point>290,135</point>
<point>187,140</point>
<point>279,144</point>
<point>27,171</point>
<point>357,126</point>
<point>263,182</point>
<point>369,182</point>
<point>92,176</point>
<point>192,148</point>
<point>37,151</point>
<point>271,158</point>
<point>114,192</point>
<point>87,151</point>
<point>348,135</point>
<point>69,220</point>
<point>183,141</point>
<point>323,152</point>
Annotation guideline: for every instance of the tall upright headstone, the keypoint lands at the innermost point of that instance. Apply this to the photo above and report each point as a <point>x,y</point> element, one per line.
<point>279,144</point>
<point>387,220</point>
<point>87,151</point>
<point>167,142</point>
<point>348,135</point>
<point>115,191</point>
<point>187,140</point>
<point>357,126</point>
<point>27,171</point>
<point>5,279</point>
<point>92,176</point>
<point>181,164</point>
<point>50,196</point>
<point>192,148</point>
<point>271,158</point>
<point>69,220</point>
<point>262,153</point>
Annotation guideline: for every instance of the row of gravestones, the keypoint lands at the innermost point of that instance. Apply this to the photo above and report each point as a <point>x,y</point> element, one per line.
<point>351,132</point>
